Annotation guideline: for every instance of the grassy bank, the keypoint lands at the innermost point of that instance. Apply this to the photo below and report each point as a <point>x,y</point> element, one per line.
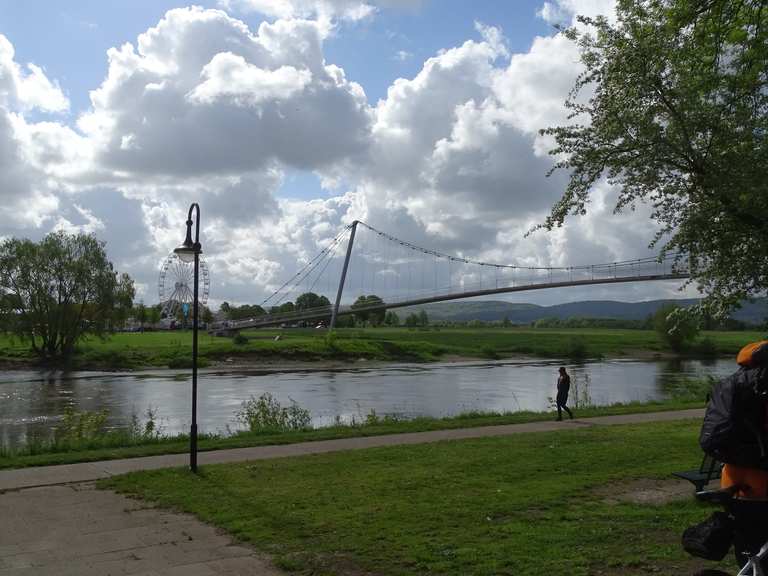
<point>545,503</point>
<point>172,349</point>
<point>128,444</point>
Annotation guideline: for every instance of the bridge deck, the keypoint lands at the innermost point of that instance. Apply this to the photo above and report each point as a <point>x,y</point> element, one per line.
<point>325,312</point>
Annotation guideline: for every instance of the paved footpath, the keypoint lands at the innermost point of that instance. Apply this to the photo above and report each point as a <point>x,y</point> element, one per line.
<point>53,521</point>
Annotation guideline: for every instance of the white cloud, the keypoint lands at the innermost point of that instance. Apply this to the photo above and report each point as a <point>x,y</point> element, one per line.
<point>57,151</point>
<point>27,89</point>
<point>229,78</point>
<point>26,199</point>
<point>202,108</point>
<point>90,225</point>
<point>553,13</point>
<point>200,94</point>
<point>564,12</point>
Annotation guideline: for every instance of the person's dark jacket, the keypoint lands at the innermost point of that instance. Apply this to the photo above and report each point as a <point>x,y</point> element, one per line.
<point>734,429</point>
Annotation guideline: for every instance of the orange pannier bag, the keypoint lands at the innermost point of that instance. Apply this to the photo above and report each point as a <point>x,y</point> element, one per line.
<point>753,354</point>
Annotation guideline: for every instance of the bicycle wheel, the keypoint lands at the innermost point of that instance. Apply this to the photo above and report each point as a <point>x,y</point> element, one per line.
<point>709,572</point>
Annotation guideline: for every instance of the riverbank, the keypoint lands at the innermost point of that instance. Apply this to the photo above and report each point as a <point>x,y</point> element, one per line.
<point>138,443</point>
<point>305,348</point>
<point>582,501</point>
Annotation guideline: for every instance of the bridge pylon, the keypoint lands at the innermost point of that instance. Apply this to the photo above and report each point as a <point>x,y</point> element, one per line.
<point>335,311</point>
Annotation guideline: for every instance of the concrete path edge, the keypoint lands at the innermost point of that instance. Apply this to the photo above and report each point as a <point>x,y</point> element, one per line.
<point>89,471</point>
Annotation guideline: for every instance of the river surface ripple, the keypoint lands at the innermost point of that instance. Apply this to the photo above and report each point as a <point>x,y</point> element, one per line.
<point>32,401</point>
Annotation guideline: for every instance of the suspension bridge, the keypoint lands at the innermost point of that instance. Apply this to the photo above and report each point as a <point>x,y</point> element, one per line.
<point>378,271</point>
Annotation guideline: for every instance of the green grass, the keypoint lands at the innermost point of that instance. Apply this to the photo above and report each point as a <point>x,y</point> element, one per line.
<point>120,444</point>
<point>136,350</point>
<point>527,504</point>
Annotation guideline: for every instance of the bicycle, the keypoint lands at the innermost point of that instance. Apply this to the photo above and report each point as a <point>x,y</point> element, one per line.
<point>747,515</point>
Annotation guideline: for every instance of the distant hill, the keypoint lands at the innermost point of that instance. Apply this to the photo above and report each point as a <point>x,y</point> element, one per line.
<point>496,310</point>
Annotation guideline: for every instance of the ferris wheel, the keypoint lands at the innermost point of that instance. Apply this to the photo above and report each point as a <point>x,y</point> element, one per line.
<point>175,286</point>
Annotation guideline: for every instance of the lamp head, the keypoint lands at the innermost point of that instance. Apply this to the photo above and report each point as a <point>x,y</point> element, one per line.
<point>187,250</point>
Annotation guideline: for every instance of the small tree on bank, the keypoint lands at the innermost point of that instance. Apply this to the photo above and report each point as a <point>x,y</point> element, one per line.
<point>676,330</point>
<point>391,319</point>
<point>140,314</point>
<point>419,319</point>
<point>154,314</point>
<point>59,289</point>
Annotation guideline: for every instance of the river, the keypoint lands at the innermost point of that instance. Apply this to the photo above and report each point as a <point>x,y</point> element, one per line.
<point>32,401</point>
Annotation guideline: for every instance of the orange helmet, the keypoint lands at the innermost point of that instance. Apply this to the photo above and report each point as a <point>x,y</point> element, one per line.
<point>753,354</point>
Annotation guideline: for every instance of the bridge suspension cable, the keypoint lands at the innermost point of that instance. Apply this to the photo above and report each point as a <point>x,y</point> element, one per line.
<point>449,257</point>
<point>307,269</point>
<point>401,273</point>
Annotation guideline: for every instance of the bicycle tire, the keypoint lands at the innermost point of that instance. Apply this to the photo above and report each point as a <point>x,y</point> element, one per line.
<point>710,572</point>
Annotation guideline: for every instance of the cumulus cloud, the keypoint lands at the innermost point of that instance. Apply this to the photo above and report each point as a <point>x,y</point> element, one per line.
<point>457,163</point>
<point>564,12</point>
<point>27,197</point>
<point>229,78</point>
<point>27,87</point>
<point>90,224</point>
<point>451,151</point>
<point>275,100</point>
<point>203,108</point>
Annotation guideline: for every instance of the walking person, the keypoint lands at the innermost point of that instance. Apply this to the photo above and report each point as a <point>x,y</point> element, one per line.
<point>563,387</point>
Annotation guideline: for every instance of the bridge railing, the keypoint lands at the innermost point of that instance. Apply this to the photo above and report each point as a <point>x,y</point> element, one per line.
<point>519,278</point>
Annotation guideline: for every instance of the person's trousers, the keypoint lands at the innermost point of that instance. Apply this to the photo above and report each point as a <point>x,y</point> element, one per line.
<point>561,401</point>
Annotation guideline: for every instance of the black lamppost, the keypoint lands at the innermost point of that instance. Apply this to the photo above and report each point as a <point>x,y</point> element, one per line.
<point>190,252</point>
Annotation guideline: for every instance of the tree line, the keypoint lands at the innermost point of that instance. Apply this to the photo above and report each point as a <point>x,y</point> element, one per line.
<point>56,291</point>
<point>371,311</point>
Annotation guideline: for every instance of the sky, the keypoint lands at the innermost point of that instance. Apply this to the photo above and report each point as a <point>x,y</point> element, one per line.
<point>288,119</point>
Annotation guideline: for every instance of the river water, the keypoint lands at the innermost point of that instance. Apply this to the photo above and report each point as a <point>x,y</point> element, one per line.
<point>32,402</point>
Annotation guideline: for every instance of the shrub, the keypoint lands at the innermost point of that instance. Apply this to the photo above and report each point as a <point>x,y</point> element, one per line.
<point>692,389</point>
<point>581,397</point>
<point>706,347</point>
<point>149,430</point>
<point>577,349</point>
<point>240,340</point>
<point>77,427</point>
<point>265,414</point>
<point>330,339</point>
<point>185,361</point>
<point>676,327</point>
<point>372,418</point>
<point>489,352</point>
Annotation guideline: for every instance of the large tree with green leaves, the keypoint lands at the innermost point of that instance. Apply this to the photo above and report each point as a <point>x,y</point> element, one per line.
<point>672,108</point>
<point>58,289</point>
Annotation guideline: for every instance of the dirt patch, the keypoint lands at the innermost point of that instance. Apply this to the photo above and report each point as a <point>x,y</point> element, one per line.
<point>645,491</point>
<point>688,566</point>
